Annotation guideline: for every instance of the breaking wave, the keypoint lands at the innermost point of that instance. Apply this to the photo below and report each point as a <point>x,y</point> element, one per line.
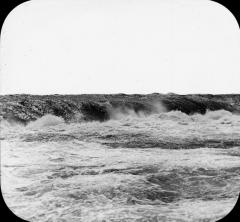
<point>126,128</point>
<point>221,116</point>
<point>46,121</point>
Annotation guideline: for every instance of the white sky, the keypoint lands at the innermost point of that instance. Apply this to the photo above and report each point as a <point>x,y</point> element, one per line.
<point>113,46</point>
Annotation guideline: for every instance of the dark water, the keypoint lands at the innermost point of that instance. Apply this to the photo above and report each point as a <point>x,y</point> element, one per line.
<point>161,167</point>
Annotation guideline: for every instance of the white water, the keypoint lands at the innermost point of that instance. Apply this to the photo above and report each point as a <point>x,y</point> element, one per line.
<point>118,170</point>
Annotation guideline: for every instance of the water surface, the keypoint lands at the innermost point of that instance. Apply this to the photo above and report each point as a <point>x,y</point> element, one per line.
<point>162,167</point>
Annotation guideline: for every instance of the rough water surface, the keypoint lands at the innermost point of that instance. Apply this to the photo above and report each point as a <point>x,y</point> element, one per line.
<point>166,166</point>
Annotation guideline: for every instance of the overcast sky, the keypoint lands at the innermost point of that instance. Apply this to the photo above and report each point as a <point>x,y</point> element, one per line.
<point>120,46</point>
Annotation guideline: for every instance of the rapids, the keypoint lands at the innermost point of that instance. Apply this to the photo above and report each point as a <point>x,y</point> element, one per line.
<point>166,166</point>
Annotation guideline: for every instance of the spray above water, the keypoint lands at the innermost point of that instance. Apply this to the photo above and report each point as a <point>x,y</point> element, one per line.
<point>46,121</point>
<point>123,112</point>
<point>136,111</point>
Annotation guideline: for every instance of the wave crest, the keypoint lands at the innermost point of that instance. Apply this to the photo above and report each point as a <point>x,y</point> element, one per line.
<point>46,121</point>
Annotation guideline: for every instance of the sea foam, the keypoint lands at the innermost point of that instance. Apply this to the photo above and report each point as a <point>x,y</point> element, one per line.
<point>45,121</point>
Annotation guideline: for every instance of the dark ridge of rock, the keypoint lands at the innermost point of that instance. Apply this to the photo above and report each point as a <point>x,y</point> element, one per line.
<point>94,111</point>
<point>24,108</point>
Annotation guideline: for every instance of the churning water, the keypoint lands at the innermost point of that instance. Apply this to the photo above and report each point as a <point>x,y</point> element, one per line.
<point>162,167</point>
